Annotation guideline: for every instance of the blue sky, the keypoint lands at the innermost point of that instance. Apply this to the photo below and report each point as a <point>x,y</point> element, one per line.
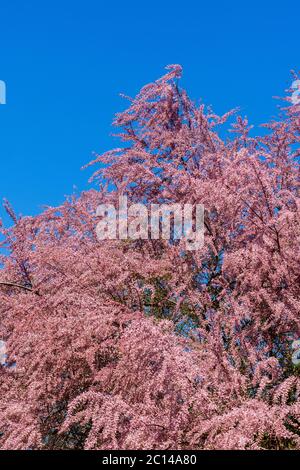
<point>65,62</point>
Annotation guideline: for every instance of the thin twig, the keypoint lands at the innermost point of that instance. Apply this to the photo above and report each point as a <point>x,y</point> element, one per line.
<point>13,284</point>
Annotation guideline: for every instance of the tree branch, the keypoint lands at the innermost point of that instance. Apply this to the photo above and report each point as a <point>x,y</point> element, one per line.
<point>19,286</point>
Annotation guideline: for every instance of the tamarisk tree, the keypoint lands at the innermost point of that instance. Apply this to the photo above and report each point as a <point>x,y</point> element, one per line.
<point>141,344</point>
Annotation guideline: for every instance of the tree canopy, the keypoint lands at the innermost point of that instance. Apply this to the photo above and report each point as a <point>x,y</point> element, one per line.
<point>141,344</point>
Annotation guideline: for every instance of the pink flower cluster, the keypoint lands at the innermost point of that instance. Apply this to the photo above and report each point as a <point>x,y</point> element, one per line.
<point>141,344</point>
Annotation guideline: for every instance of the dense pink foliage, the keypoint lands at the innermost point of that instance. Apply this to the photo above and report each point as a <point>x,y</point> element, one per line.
<point>141,344</point>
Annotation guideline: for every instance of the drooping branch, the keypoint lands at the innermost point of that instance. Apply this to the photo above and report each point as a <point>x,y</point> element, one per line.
<point>19,286</point>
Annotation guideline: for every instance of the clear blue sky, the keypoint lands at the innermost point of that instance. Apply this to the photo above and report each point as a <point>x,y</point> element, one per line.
<point>64,63</point>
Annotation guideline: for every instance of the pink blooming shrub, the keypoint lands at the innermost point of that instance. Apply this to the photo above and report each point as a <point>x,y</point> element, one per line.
<point>141,344</point>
